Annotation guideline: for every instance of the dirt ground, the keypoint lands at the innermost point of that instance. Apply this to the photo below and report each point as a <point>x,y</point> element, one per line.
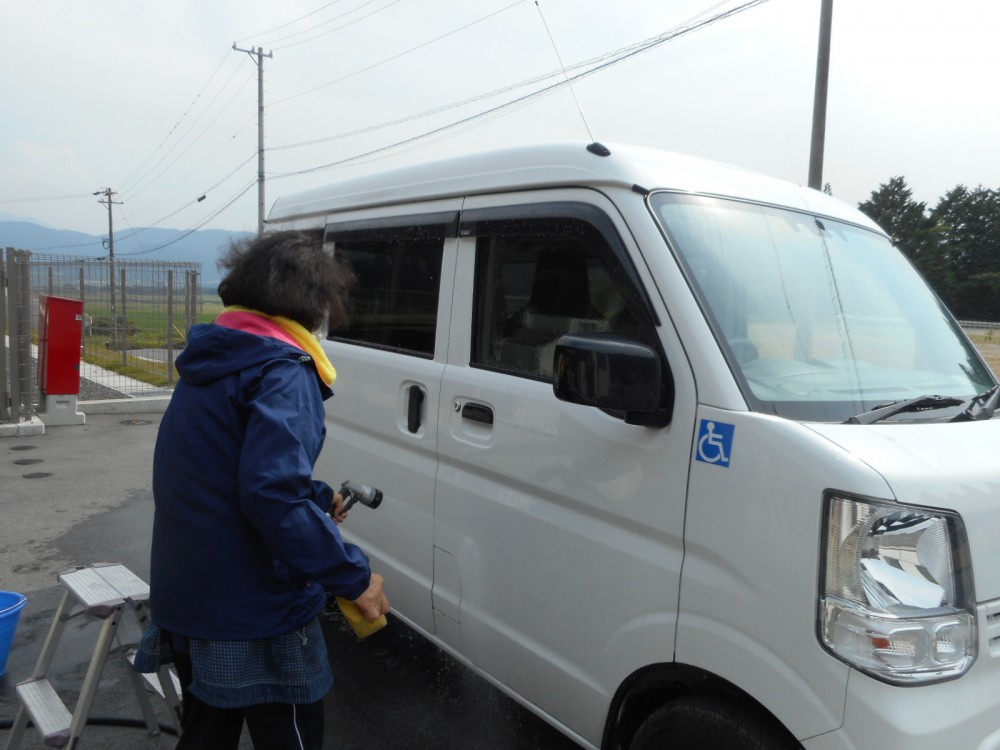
<point>988,342</point>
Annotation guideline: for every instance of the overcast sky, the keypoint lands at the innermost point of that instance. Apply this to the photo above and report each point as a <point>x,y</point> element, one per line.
<point>151,100</point>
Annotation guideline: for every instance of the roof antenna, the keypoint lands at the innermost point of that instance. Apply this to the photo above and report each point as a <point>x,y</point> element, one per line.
<point>563,67</point>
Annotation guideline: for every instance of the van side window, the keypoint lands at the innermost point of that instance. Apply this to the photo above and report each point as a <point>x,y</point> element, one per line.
<point>539,279</point>
<point>394,299</point>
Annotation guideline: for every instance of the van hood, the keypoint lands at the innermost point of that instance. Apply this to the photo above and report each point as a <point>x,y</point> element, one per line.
<point>950,466</point>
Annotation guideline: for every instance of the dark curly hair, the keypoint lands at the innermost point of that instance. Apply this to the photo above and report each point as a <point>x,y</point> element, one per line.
<point>288,274</point>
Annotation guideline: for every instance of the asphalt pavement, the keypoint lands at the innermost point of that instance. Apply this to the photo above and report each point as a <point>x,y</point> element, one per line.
<point>76,495</point>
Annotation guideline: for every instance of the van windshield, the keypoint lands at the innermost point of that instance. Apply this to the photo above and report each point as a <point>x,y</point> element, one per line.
<point>820,320</point>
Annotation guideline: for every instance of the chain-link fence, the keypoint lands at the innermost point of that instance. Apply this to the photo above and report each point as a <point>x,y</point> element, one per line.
<point>135,317</point>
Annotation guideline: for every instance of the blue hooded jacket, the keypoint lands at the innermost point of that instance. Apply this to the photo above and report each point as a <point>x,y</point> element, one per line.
<point>242,546</point>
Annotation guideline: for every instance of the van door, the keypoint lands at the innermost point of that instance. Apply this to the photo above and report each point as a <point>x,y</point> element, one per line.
<point>561,524</point>
<point>382,422</point>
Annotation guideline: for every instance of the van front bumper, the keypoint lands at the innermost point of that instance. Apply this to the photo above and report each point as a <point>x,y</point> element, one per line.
<point>962,714</point>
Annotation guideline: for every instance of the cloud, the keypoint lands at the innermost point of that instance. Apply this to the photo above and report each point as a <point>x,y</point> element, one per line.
<point>39,176</point>
<point>36,170</point>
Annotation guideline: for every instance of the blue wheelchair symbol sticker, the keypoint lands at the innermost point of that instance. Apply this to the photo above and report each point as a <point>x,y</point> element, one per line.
<point>715,442</point>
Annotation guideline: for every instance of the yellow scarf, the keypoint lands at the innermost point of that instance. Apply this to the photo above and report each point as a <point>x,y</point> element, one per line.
<point>305,340</point>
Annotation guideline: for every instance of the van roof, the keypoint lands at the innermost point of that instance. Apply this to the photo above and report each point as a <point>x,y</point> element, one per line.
<point>552,166</point>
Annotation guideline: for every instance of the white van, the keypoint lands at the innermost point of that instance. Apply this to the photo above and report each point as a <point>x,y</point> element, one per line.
<point>675,455</point>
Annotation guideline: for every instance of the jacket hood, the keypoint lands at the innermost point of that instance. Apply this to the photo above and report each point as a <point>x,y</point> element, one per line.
<point>214,352</point>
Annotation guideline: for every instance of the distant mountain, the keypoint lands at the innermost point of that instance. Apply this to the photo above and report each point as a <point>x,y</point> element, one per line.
<point>4,216</point>
<point>203,246</point>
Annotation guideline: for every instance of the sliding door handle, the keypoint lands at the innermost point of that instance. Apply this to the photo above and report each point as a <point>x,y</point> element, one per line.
<point>416,400</point>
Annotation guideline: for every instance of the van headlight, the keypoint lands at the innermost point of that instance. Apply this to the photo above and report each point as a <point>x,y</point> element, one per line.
<point>897,599</point>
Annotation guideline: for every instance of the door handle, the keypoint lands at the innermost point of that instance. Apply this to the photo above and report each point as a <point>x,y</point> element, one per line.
<point>416,399</point>
<point>477,413</point>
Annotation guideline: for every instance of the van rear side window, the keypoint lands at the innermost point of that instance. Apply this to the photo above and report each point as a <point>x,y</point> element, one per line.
<point>394,299</point>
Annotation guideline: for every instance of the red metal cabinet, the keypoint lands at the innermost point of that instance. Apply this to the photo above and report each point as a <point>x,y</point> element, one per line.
<point>61,334</point>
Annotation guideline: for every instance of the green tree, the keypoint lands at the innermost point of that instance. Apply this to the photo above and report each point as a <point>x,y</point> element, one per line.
<point>914,232</point>
<point>968,223</point>
<point>980,297</point>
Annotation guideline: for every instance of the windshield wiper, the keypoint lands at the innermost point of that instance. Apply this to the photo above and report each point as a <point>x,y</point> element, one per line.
<point>980,407</point>
<point>921,403</point>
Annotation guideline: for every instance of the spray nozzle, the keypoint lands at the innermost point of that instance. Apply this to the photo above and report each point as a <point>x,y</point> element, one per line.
<point>360,493</point>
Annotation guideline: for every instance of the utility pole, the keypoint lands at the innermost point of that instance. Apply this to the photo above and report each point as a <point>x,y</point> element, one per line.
<point>819,100</point>
<point>108,200</point>
<point>259,62</point>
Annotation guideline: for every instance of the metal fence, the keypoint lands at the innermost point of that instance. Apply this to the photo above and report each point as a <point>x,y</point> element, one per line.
<point>135,317</point>
<point>16,395</point>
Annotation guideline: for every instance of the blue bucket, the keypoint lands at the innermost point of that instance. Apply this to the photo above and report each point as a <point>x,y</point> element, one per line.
<point>11,605</point>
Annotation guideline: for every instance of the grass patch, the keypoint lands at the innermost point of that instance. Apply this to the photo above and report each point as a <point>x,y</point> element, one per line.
<point>141,372</point>
<point>144,324</point>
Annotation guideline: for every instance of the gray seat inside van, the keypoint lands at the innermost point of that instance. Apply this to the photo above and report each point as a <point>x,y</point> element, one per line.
<point>560,303</point>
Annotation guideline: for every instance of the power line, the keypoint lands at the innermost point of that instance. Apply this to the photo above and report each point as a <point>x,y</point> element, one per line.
<point>144,186</point>
<point>605,61</point>
<point>191,145</point>
<point>264,34</point>
<point>177,124</point>
<point>188,111</point>
<point>472,99</point>
<point>131,235</point>
<point>478,97</point>
<point>152,179</point>
<point>187,205</point>
<point>424,113</point>
<point>339,28</point>
<point>67,247</point>
<point>135,232</point>
<point>194,229</point>
<point>562,67</point>
<point>204,162</point>
<point>398,55</point>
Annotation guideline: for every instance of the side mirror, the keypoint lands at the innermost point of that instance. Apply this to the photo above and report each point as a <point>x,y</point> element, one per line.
<point>615,374</point>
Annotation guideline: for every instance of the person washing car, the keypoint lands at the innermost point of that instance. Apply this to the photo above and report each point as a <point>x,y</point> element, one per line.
<point>244,553</point>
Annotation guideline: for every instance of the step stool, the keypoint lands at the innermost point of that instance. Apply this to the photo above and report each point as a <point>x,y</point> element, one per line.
<point>105,592</point>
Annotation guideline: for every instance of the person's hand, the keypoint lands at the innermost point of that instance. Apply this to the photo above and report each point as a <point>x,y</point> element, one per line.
<point>373,603</point>
<point>337,512</point>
